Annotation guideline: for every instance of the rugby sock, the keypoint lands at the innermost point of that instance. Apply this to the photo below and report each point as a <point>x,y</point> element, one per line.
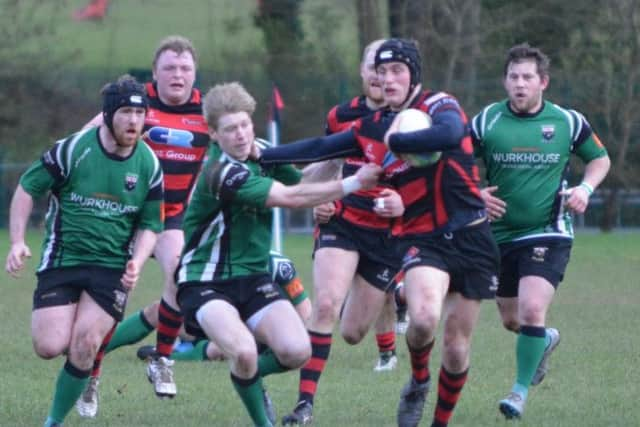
<point>310,373</point>
<point>530,347</point>
<point>386,342</point>
<point>250,391</point>
<point>169,322</point>
<point>420,362</point>
<point>269,364</point>
<point>69,386</point>
<point>130,331</point>
<point>449,389</point>
<point>97,362</point>
<point>198,352</point>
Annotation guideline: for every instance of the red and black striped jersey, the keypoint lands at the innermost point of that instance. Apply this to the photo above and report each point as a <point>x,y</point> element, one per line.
<point>355,208</point>
<point>178,135</point>
<point>445,196</point>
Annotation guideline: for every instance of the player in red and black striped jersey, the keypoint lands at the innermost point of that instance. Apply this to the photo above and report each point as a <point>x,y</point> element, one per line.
<point>177,132</point>
<point>450,257</point>
<point>350,256</point>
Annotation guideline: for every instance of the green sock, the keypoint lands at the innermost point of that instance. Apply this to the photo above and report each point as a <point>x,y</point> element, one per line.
<point>131,330</point>
<point>529,350</point>
<point>250,391</point>
<point>69,386</point>
<point>198,352</point>
<point>269,364</point>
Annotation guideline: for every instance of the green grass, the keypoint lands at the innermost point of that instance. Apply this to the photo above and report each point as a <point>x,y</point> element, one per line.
<point>594,379</point>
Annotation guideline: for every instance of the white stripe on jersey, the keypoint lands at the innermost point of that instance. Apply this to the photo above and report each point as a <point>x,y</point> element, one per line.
<point>52,214</point>
<point>156,166</point>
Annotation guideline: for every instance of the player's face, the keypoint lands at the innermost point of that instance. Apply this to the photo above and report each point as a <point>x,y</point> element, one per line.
<point>235,134</point>
<point>127,125</point>
<point>370,83</point>
<point>395,78</point>
<point>524,86</point>
<point>175,74</point>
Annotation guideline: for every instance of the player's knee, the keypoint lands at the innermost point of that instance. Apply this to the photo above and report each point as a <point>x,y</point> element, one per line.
<point>47,349</point>
<point>352,335</point>
<point>532,314</point>
<point>455,354</point>
<point>425,323</point>
<point>325,310</point>
<point>245,360</point>
<point>511,324</point>
<point>295,356</point>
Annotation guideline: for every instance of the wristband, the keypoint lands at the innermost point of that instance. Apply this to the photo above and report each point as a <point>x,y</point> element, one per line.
<point>587,187</point>
<point>350,184</point>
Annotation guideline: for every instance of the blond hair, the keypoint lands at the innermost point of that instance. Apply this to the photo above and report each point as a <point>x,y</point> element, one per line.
<point>177,44</point>
<point>226,98</point>
<point>374,45</point>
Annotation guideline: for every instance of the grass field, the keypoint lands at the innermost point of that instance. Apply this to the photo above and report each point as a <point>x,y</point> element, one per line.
<point>594,380</point>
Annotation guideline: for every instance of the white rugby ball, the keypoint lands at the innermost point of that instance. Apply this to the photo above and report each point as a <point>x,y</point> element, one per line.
<point>411,120</point>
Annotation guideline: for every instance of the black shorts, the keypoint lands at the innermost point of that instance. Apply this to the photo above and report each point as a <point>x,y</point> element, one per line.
<point>546,258</point>
<point>174,222</point>
<point>248,294</point>
<point>379,260</point>
<point>470,256</point>
<point>62,286</point>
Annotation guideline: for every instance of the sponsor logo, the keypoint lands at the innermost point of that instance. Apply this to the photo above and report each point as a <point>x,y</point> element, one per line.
<point>548,132</point>
<point>192,122</point>
<point>169,136</point>
<point>385,276</point>
<point>411,256</point>
<point>105,205</point>
<point>386,54</point>
<point>526,158</point>
<point>494,283</point>
<point>176,155</point>
<point>238,176</point>
<point>328,237</point>
<point>268,290</point>
<point>207,292</point>
<point>539,253</point>
<point>120,299</point>
<point>135,99</point>
<point>130,181</point>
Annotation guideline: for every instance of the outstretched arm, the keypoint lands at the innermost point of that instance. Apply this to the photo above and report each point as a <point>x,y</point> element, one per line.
<point>312,150</point>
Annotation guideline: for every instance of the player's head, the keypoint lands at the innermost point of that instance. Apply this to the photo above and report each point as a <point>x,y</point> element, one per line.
<point>124,104</point>
<point>399,68</point>
<point>526,76</point>
<point>174,69</point>
<point>228,108</point>
<point>370,83</point>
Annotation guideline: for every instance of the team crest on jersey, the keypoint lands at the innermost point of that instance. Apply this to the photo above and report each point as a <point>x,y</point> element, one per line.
<point>539,253</point>
<point>130,181</point>
<point>285,270</point>
<point>548,132</point>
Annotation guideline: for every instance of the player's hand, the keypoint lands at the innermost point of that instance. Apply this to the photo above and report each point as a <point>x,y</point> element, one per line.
<point>368,175</point>
<point>389,204</point>
<point>131,275</point>
<point>15,258</point>
<point>496,207</point>
<point>576,199</point>
<point>323,213</point>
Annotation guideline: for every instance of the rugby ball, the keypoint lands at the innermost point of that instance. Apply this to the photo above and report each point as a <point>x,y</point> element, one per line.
<point>411,120</point>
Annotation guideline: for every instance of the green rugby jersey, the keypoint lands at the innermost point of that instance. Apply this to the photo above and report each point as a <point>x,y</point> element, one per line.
<point>228,229</point>
<point>97,201</point>
<point>527,157</point>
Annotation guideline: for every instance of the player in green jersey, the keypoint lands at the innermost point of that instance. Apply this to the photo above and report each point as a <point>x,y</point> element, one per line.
<point>100,229</point>
<point>223,276</point>
<point>525,142</point>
